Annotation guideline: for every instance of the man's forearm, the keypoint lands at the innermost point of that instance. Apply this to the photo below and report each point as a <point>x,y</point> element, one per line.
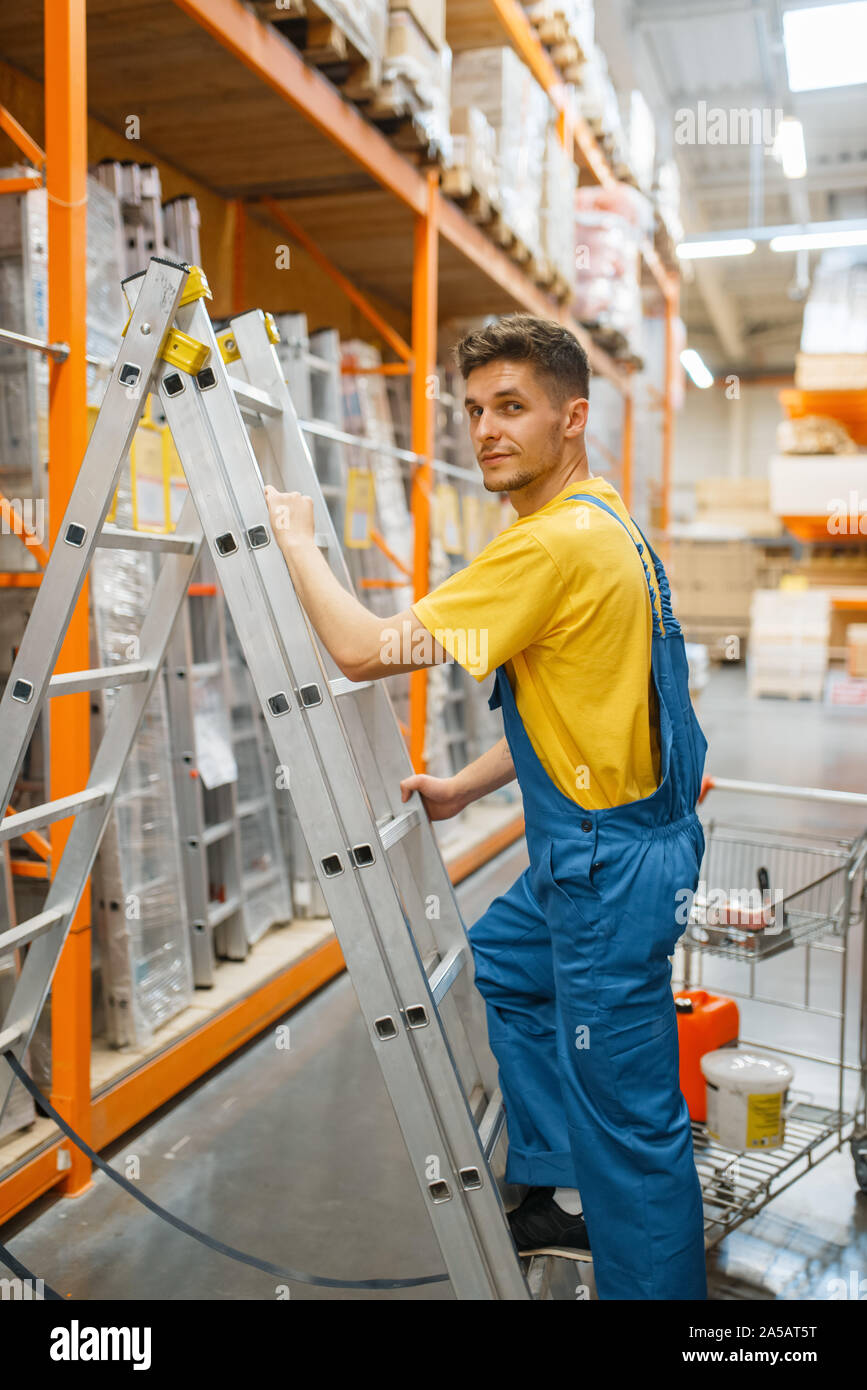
<point>492,770</point>
<point>333,610</point>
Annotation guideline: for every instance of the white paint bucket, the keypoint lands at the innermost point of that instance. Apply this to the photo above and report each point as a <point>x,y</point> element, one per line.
<point>746,1093</point>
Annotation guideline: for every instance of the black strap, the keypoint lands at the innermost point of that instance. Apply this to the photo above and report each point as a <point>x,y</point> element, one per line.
<point>299,1275</point>
<point>9,1260</point>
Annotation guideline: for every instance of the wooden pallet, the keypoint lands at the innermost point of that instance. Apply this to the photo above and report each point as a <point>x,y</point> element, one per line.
<point>457,183</point>
<point>540,270</point>
<point>760,690</point>
<point>324,38</point>
<point>553,32</point>
<point>561,288</point>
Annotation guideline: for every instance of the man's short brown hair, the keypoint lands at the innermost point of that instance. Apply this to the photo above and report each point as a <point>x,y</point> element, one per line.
<point>555,353</point>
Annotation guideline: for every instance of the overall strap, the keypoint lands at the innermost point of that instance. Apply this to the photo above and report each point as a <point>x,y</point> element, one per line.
<point>660,624</point>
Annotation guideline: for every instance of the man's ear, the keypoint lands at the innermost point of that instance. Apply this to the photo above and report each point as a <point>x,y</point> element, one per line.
<point>576,415</point>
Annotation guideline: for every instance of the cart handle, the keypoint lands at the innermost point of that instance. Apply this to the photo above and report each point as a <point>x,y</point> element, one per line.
<point>726,784</point>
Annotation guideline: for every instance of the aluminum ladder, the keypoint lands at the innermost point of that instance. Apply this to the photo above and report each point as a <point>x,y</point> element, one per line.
<point>389,894</point>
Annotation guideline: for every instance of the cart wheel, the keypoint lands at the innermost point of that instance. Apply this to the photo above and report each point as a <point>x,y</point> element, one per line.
<point>858,1148</point>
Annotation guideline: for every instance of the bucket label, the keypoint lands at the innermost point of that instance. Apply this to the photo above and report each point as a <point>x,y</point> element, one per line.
<point>763,1120</point>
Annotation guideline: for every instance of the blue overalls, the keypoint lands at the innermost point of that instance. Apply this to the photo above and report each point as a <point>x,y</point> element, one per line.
<point>573,965</point>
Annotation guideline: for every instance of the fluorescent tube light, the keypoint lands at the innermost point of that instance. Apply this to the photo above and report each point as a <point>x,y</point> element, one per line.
<point>789,148</point>
<point>695,368</point>
<point>817,241</point>
<point>702,250</point>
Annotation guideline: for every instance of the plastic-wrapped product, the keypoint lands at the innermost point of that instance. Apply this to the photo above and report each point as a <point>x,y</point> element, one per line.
<point>499,84</point>
<point>835,315</point>
<point>558,196</point>
<point>139,901</point>
<point>609,226</point>
<point>474,148</point>
<point>426,70</point>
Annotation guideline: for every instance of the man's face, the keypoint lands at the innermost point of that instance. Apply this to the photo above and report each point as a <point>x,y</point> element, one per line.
<point>518,432</point>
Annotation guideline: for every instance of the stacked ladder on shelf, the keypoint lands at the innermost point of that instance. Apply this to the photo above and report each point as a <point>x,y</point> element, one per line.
<point>234,873</point>
<point>206,774</point>
<point>387,888</point>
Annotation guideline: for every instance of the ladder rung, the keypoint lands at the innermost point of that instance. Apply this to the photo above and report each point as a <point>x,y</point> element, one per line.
<point>395,829</point>
<point>217,832</point>
<point>206,669</point>
<point>491,1123</point>
<point>260,878</point>
<point>241,735</point>
<point>121,538</point>
<point>218,912</point>
<point>251,806</point>
<point>49,812</point>
<point>29,930</point>
<point>251,398</point>
<point>319,364</point>
<point>342,686</point>
<point>448,970</point>
<point>100,678</point>
<point>323,541</point>
<point>9,1037</point>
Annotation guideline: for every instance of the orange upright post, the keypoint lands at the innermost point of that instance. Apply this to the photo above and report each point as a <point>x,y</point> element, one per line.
<point>424,348</point>
<point>66,168</point>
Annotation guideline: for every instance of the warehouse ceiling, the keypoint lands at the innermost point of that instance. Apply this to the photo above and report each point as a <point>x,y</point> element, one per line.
<point>743,313</point>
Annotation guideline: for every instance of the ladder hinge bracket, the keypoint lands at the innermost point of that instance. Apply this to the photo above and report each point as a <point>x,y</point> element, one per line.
<point>229,350</point>
<point>184,352</point>
<point>197,287</point>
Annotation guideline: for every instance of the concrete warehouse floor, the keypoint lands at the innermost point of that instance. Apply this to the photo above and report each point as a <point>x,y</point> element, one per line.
<point>295,1155</point>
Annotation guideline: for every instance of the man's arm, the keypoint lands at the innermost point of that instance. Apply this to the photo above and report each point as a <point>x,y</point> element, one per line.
<point>364,646</point>
<point>446,796</point>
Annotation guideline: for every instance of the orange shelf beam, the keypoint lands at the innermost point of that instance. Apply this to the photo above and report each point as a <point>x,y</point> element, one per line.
<point>281,67</point>
<point>18,135</point>
<point>135,1096</point>
<point>13,521</point>
<point>391,336</point>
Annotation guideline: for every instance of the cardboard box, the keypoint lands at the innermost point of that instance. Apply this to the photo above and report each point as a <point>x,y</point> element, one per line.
<point>429,15</point>
<point>856,649</point>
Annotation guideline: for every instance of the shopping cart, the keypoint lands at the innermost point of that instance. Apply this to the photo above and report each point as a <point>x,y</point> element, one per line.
<point>782,908</point>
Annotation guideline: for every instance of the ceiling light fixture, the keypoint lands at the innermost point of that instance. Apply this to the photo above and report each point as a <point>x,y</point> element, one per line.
<point>789,148</point>
<point>705,250</point>
<point>817,241</point>
<point>695,368</point>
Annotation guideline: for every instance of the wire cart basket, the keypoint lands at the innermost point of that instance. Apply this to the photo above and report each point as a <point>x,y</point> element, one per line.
<point>776,908</point>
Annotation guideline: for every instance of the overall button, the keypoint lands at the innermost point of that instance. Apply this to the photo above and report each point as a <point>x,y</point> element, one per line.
<point>597,865</point>
<point>586,825</point>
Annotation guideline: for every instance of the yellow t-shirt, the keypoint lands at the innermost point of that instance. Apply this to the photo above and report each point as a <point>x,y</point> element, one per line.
<point>560,597</point>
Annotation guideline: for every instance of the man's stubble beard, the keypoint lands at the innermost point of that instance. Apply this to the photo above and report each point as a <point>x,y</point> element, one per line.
<point>552,455</point>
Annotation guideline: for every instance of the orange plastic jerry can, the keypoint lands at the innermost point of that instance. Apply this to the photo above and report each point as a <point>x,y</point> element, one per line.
<point>704,1023</point>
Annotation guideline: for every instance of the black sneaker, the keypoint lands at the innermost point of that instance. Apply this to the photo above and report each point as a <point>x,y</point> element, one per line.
<point>540,1227</point>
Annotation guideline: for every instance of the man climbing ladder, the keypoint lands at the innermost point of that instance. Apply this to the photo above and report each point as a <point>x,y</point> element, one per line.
<point>571,607</point>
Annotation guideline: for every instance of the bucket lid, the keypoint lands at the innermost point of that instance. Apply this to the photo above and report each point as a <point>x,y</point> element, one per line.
<point>747,1071</point>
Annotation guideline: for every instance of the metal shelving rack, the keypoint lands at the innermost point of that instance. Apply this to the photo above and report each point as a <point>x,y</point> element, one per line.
<point>436,222</point>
